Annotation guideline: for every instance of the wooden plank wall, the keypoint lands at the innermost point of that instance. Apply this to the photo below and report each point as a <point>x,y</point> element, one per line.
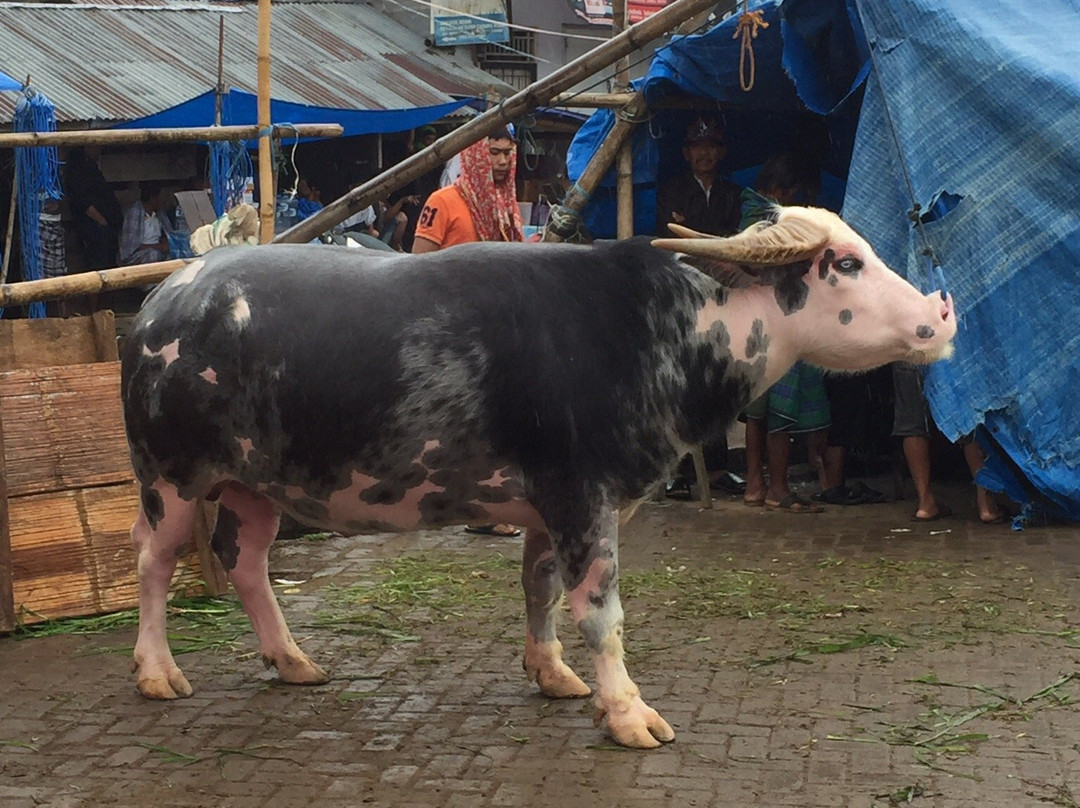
<point>66,484</point>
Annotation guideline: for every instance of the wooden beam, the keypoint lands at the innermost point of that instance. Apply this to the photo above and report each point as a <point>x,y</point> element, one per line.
<point>618,100</point>
<point>83,283</point>
<point>112,137</point>
<point>536,94</point>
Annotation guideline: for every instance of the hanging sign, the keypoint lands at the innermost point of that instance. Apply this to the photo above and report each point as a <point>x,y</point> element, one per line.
<point>471,22</point>
<point>599,12</point>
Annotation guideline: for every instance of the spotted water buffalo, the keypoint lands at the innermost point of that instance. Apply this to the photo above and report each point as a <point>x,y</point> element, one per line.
<point>551,386</point>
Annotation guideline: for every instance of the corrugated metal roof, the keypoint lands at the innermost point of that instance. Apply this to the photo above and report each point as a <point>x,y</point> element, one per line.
<point>109,63</point>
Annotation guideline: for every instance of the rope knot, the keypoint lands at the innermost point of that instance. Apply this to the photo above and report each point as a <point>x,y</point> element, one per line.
<point>750,22</point>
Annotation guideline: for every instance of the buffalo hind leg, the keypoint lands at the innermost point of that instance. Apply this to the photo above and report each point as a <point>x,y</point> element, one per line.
<point>543,592</point>
<point>247,525</point>
<point>590,569</point>
<point>159,534</point>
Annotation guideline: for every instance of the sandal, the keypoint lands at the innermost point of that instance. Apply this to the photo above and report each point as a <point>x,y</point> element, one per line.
<point>793,503</point>
<point>867,494</point>
<point>838,495</point>
<point>493,530</point>
<point>679,488</point>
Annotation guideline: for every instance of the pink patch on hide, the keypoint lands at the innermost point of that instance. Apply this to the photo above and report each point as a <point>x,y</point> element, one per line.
<point>210,375</point>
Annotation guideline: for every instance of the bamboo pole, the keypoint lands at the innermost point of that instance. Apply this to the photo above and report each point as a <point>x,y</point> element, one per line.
<point>112,137</point>
<point>617,100</point>
<point>266,171</point>
<point>536,94</point>
<point>87,283</point>
<point>580,191</point>
<point>624,161</point>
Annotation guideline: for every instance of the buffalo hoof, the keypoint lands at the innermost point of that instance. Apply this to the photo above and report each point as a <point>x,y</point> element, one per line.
<point>172,685</point>
<point>635,724</point>
<point>560,682</point>
<point>297,669</point>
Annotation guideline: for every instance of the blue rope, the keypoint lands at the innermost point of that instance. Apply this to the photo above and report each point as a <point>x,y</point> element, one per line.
<point>38,177</point>
<point>230,167</point>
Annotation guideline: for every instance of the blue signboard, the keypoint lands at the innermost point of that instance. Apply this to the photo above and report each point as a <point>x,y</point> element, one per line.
<point>473,30</point>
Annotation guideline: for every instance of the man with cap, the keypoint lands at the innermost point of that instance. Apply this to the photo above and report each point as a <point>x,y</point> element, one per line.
<point>704,201</point>
<point>701,199</point>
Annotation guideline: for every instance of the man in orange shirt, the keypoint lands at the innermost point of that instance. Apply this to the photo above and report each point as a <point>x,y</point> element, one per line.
<point>481,205</point>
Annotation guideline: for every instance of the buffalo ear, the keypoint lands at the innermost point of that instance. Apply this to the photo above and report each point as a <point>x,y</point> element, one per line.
<point>726,273</point>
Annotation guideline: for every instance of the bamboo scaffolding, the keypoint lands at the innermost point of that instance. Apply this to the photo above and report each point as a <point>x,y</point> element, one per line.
<point>621,99</point>
<point>113,137</point>
<point>536,94</point>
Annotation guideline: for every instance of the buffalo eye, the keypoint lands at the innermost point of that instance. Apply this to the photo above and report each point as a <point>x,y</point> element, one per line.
<point>848,265</point>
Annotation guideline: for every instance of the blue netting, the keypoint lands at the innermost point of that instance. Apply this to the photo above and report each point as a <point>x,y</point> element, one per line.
<point>230,169</point>
<point>38,177</point>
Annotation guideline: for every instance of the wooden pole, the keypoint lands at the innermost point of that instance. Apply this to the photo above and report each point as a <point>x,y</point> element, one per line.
<point>266,169</point>
<point>536,94</point>
<point>10,237</point>
<point>219,90</point>
<point>617,100</point>
<point>111,137</point>
<point>84,283</point>
<point>624,164</point>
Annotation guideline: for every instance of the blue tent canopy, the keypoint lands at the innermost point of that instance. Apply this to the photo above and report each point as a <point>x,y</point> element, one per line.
<point>240,108</point>
<point>8,83</point>
<point>978,102</point>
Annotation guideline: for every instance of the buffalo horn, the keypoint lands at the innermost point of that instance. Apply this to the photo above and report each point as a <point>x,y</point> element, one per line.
<point>793,238</point>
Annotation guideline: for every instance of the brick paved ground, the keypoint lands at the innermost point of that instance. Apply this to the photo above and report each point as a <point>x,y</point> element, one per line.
<point>958,642</point>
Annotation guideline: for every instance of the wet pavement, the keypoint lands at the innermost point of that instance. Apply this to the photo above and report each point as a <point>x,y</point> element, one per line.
<point>851,658</point>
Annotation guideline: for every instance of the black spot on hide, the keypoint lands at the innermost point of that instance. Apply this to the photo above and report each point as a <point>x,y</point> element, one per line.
<point>788,285</point>
<point>152,504</point>
<point>924,332</point>
<point>225,541</point>
<point>833,280</point>
<point>845,317</point>
<point>758,341</point>
<point>825,263</point>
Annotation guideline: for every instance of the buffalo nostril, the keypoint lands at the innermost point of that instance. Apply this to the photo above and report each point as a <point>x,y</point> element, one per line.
<point>924,332</point>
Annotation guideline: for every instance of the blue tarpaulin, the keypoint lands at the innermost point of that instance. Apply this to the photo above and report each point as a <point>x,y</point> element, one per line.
<point>978,103</point>
<point>8,83</point>
<point>240,108</point>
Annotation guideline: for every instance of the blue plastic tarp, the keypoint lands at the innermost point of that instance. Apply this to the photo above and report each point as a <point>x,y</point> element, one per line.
<point>977,101</point>
<point>8,83</point>
<point>240,108</point>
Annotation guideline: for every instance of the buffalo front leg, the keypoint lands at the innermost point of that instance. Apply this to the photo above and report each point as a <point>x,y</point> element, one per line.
<point>159,534</point>
<point>543,592</point>
<point>247,525</point>
<point>590,570</point>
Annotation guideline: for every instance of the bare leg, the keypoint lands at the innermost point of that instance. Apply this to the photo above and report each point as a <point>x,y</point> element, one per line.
<point>816,447</point>
<point>246,527</point>
<point>917,454</point>
<point>833,461</point>
<point>756,434</point>
<point>590,568</point>
<point>543,592</point>
<point>988,509</point>
<point>161,529</point>
<point>777,454</point>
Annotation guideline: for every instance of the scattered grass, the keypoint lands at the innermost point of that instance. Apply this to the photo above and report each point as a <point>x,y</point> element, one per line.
<point>196,624</point>
<point>19,745</point>
<point>219,754</point>
<point>419,589</point>
<point>938,732</point>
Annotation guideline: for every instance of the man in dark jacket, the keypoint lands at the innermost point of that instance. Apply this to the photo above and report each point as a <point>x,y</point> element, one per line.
<point>704,201</point>
<point>701,199</point>
<point>94,210</point>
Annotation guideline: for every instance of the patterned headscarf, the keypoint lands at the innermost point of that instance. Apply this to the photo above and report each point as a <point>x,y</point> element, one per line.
<point>494,208</point>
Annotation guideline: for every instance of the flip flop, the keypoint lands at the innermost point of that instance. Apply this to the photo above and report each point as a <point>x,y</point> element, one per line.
<point>793,503</point>
<point>838,495</point>
<point>867,494</point>
<point>489,530</point>
<point>754,503</point>
<point>728,483</point>
<point>943,512</point>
